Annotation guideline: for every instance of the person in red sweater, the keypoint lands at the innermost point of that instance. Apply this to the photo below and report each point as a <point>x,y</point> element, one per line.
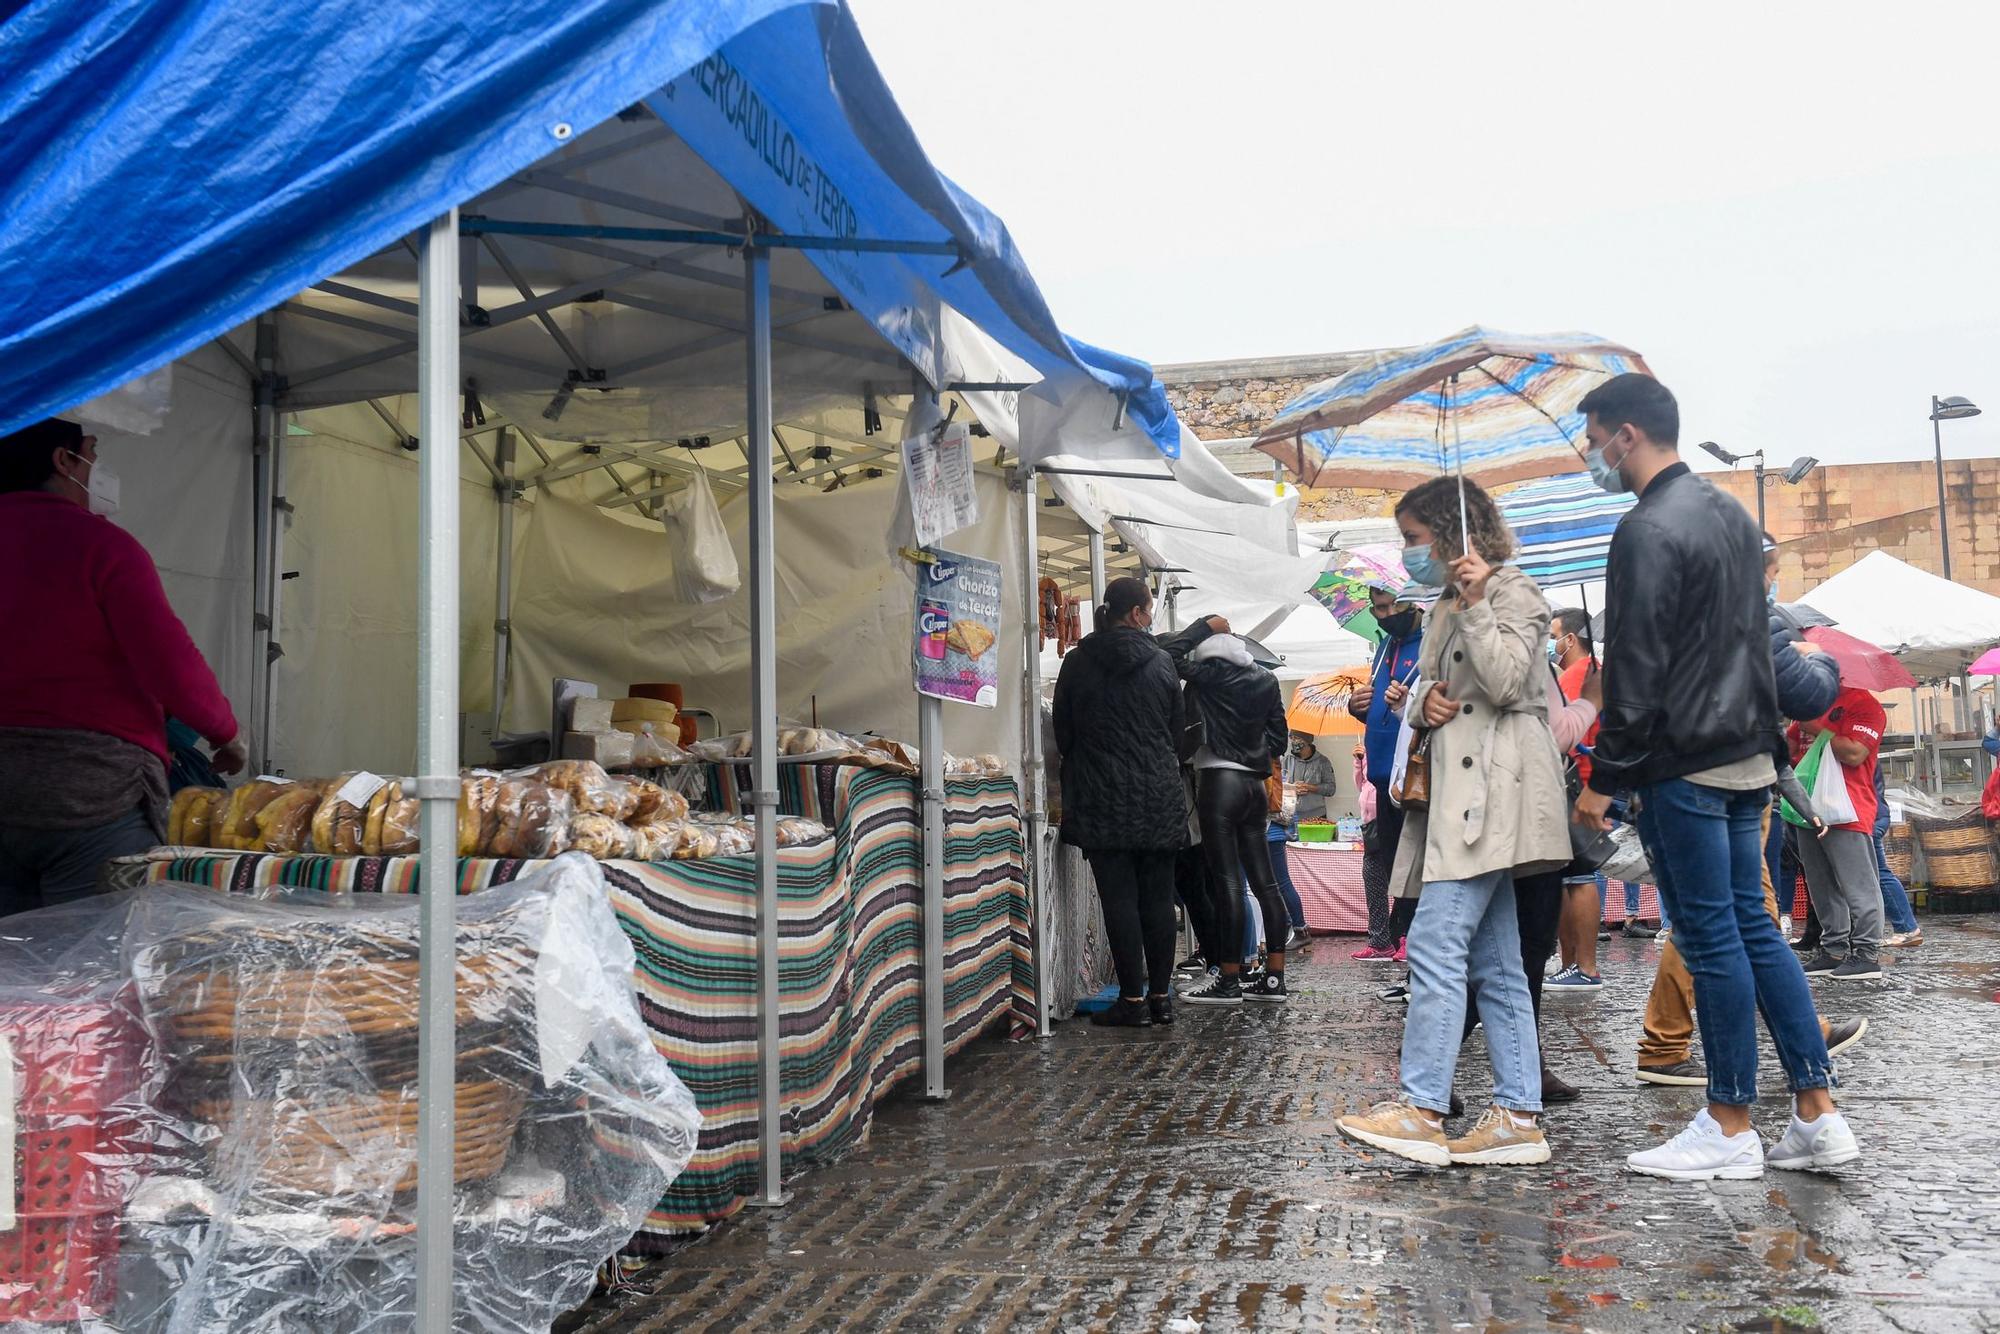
<point>95,664</point>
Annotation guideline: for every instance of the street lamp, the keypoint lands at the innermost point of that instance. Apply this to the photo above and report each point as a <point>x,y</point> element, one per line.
<point>1948,409</point>
<point>1795,474</point>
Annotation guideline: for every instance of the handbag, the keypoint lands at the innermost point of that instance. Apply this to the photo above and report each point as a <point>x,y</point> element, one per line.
<point>1589,849</point>
<point>1412,789</point>
<point>1274,790</point>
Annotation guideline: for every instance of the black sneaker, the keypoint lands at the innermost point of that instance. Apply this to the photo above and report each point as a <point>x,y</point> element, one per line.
<point>1297,941</point>
<point>1396,995</point>
<point>1638,930</point>
<point>1823,964</point>
<point>1268,987</point>
<point>1221,990</point>
<point>1806,945</point>
<point>1162,1008</point>
<point>1841,1036</point>
<point>1603,932</point>
<point>1856,968</point>
<point>1557,1090</point>
<point>1122,1013</point>
<point>1194,965</point>
<point>1685,1073</point>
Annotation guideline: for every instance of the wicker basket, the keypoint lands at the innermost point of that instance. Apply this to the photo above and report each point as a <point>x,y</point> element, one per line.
<point>1899,847</point>
<point>339,1145</point>
<point>1959,852</point>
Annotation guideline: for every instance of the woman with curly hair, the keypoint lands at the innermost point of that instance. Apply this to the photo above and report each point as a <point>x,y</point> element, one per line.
<point>1496,811</point>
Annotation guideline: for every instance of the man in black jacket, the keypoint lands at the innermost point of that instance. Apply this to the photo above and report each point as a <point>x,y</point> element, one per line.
<point>1690,724</point>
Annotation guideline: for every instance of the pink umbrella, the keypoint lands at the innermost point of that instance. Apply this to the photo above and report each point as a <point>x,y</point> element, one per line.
<point>1862,664</point>
<point>1988,664</point>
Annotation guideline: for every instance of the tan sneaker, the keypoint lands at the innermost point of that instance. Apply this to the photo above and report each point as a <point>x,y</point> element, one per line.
<point>1500,1140</point>
<point>1401,1129</point>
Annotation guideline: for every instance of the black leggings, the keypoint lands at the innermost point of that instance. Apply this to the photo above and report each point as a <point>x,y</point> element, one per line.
<point>1136,890</point>
<point>1538,901</point>
<point>1230,804</point>
<point>1191,884</point>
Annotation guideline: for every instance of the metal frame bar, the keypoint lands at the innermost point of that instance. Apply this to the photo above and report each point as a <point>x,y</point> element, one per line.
<point>503,574</point>
<point>764,726</point>
<point>437,761</point>
<point>930,753</point>
<point>480,226</point>
<point>272,509</point>
<point>1097,579</point>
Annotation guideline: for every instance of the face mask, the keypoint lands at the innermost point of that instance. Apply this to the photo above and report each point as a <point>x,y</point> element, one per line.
<point>1555,656</point>
<point>1298,748</point>
<point>1774,592</point>
<point>1607,477</point>
<point>1422,566</point>
<point>1398,625</point>
<point>102,489</point>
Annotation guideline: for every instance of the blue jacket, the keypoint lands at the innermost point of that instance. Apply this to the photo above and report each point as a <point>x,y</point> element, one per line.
<point>1806,685</point>
<point>1395,660</point>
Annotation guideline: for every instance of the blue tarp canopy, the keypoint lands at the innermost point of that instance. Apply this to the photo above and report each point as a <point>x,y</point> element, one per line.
<point>174,169</point>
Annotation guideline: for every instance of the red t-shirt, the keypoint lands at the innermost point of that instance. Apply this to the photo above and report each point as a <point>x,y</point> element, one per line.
<point>1856,715</point>
<point>1571,681</point>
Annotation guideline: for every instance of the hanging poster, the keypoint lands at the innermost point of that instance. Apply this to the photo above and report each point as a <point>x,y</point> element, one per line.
<point>937,468</point>
<point>955,650</point>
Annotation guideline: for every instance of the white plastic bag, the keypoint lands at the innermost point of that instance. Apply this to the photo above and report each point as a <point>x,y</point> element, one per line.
<point>1829,795</point>
<point>704,562</point>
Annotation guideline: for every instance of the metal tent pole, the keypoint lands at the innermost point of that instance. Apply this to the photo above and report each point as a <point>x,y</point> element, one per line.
<point>1032,787</point>
<point>271,510</point>
<point>930,748</point>
<point>1097,569</point>
<point>764,725</point>
<point>437,758</point>
<point>503,577</point>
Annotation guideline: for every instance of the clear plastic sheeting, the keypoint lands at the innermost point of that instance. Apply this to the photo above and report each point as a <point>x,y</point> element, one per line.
<point>214,1109</point>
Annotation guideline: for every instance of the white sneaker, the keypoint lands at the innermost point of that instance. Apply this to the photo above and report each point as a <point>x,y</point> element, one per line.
<point>1702,1153</point>
<point>1826,1142</point>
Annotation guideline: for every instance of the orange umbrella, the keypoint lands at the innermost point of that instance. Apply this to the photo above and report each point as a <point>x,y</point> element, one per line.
<point>1319,705</point>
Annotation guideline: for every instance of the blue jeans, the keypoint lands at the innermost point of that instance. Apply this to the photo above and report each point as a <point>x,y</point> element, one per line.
<point>1707,848</point>
<point>1604,893</point>
<point>1468,930</point>
<point>1282,869</point>
<point>1895,899</point>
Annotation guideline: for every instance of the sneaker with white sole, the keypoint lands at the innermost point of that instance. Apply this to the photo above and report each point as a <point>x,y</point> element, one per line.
<point>1501,1139</point>
<point>1268,988</point>
<point>1824,1143</point>
<point>1574,979</point>
<point>1857,967</point>
<point>1702,1153</point>
<point>1905,938</point>
<point>1399,1128</point>
<point>1396,995</point>
<point>1841,1036</point>
<point>1221,990</point>
<point>1684,1073</point>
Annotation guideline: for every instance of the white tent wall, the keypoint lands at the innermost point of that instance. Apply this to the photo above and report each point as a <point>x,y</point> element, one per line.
<point>347,683</point>
<point>593,599</point>
<point>185,493</point>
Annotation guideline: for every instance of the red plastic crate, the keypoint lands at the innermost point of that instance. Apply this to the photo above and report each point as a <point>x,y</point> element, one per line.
<point>72,1064</point>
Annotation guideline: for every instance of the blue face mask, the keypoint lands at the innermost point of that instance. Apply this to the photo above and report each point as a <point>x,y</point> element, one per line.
<point>1554,656</point>
<point>1422,566</point>
<point>1607,477</point>
<point>1774,592</point>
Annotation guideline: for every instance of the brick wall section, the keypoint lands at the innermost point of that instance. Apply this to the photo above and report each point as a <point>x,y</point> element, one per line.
<point>1841,513</point>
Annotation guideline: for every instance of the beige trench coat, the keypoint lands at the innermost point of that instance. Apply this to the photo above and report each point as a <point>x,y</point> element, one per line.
<point>1497,795</point>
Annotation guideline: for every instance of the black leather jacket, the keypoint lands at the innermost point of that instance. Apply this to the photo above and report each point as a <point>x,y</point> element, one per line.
<point>1687,657</point>
<point>1241,709</point>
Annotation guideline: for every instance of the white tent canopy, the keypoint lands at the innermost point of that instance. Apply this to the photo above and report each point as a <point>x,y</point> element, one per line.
<point>1934,626</point>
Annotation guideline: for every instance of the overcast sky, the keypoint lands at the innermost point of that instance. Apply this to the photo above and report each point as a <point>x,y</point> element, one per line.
<point>1793,211</point>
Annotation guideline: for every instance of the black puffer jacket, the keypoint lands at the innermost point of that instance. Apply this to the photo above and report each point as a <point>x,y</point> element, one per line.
<point>1807,684</point>
<point>1687,650</point>
<point>1118,721</point>
<point>1241,708</point>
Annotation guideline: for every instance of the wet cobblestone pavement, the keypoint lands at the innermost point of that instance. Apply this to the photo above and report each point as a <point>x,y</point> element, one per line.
<point>1142,1180</point>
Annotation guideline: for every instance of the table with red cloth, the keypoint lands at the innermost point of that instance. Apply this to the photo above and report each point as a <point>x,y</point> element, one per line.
<point>1328,878</point>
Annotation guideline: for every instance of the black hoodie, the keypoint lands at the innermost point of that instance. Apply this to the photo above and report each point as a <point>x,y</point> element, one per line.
<point>1118,721</point>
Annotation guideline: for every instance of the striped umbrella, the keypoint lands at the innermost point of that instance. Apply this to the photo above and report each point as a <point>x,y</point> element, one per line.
<point>1564,525</point>
<point>1343,588</point>
<point>1499,407</point>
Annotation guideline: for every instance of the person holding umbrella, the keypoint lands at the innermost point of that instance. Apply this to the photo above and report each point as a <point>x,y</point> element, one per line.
<point>1494,811</point>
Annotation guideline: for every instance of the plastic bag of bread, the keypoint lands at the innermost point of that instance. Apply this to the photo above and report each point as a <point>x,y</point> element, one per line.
<point>342,817</point>
<point>530,819</point>
<point>650,750</point>
<point>655,804</point>
<point>602,837</point>
<point>722,747</point>
<point>478,800</point>
<point>796,831</point>
<point>974,766</point>
<point>237,826</point>
<point>284,823</point>
<point>655,842</point>
<point>594,791</point>
<point>191,817</point>
<point>391,826</point>
<point>816,741</point>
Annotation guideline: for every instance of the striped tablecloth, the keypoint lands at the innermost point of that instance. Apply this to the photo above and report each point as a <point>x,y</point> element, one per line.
<point>850,942</point>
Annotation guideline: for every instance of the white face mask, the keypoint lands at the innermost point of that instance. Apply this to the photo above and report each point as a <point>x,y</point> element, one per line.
<point>102,488</point>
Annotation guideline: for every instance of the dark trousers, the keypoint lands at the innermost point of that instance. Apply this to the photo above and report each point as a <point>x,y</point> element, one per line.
<point>1191,884</point>
<point>1538,901</point>
<point>1136,891</point>
<point>1230,804</point>
<point>42,868</point>
<point>1388,918</point>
